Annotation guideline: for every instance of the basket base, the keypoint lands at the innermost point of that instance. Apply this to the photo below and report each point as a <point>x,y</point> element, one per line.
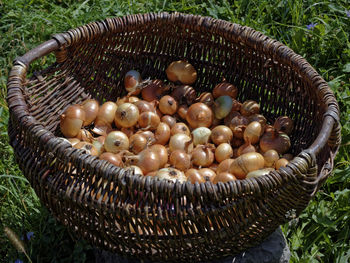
<point>274,249</point>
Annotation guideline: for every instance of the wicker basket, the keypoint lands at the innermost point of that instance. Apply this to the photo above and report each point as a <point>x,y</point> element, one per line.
<point>142,216</point>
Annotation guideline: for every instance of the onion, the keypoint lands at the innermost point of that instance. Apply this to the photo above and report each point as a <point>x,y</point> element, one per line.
<point>281,163</point>
<point>288,156</point>
<point>206,98</point>
<point>180,141</point>
<point>180,160</point>
<point>147,160</point>
<point>259,118</point>
<point>207,174</point>
<point>85,135</point>
<point>184,94</point>
<point>249,108</point>
<point>145,106</point>
<point>149,120</point>
<point>171,174</point>
<point>135,169</point>
<point>106,112</point>
<point>224,178</point>
<point>260,172</point>
<point>162,133</point>
<point>72,121</point>
<point>271,157</point>
<point>132,80</point>
<point>167,105</point>
<point>222,106</point>
<point>128,131</point>
<point>238,125</point>
<point>201,135</point>
<point>252,132</point>
<point>126,115</point>
<point>236,142</point>
<point>230,116</point>
<point>199,115</point>
<point>225,88</point>
<point>284,124</point>
<point>246,163</point>
<point>181,71</point>
<point>274,140</point>
<point>91,108</point>
<point>162,153</point>
<point>214,166</point>
<point>154,90</point>
<point>73,141</point>
<point>99,146</point>
<point>223,152</point>
<point>137,142</point>
<point>221,134</point>
<point>171,121</point>
<point>112,158</point>
<point>116,141</point>
<point>182,111</point>
<point>224,166</point>
<point>122,100</point>
<point>245,148</point>
<point>88,147</point>
<point>148,135</point>
<point>180,127</point>
<point>203,155</point>
<point>133,99</point>
<point>102,128</point>
<point>194,176</point>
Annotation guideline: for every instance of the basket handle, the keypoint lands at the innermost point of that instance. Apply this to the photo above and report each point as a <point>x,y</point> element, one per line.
<point>37,52</point>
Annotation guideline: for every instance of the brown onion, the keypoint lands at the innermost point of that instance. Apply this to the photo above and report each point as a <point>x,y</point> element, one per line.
<point>223,152</point>
<point>180,160</point>
<point>72,120</point>
<point>162,133</point>
<point>171,174</point>
<point>252,132</point>
<point>85,135</point>
<point>194,176</point>
<point>229,117</point>
<point>246,163</point>
<point>221,134</point>
<point>113,158</point>
<point>88,147</point>
<point>180,127</point>
<point>281,163</point>
<point>167,105</point>
<point>106,112</point>
<point>184,94</point>
<point>225,88</point>
<point>154,90</point>
<point>207,174</point>
<point>224,166</point>
<point>147,160</point>
<point>148,135</point>
<point>238,125</point>
<point>171,121</point>
<point>126,115</point>
<point>132,81</point>
<point>162,153</point>
<point>224,178</point>
<point>91,108</point>
<point>284,124</point>
<point>271,157</point>
<point>144,106</point>
<point>149,120</point>
<point>182,111</point>
<point>122,100</point>
<point>180,141</point>
<point>199,115</point>
<point>274,140</point>
<point>181,71</point>
<point>137,142</point>
<point>245,148</point>
<point>259,118</point>
<point>203,155</point>
<point>206,98</point>
<point>249,108</point>
<point>116,141</point>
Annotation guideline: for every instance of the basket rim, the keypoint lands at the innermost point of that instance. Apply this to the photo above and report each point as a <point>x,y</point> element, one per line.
<point>244,35</point>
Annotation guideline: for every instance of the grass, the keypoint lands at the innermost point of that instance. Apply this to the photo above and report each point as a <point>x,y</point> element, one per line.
<point>320,234</point>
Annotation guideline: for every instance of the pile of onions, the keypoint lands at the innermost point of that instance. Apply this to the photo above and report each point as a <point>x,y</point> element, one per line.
<point>170,132</point>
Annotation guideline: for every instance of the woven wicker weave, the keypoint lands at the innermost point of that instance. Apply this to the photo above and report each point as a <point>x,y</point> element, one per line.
<point>142,216</point>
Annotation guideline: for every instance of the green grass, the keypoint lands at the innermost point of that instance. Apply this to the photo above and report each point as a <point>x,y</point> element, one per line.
<point>320,234</point>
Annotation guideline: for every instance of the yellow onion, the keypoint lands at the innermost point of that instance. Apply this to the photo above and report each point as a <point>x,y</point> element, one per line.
<point>147,160</point>
<point>99,146</point>
<point>181,71</point>
<point>194,176</point>
<point>135,169</point>
<point>137,142</point>
<point>162,154</point>
<point>203,155</point>
<point>180,141</point>
<point>252,132</point>
<point>91,108</point>
<point>171,174</point>
<point>201,135</point>
<point>162,133</point>
<point>85,135</point>
<point>106,112</point>
<point>116,141</point>
<point>206,98</point>
<point>207,174</point>
<point>144,106</point>
<point>224,178</point>
<point>224,166</point>
<point>87,147</point>
<point>148,120</point>
<point>250,107</point>
<point>259,118</point>
<point>154,90</point>
<point>72,121</point>
<point>182,111</point>
<point>237,125</point>
<point>271,157</point>
<point>167,105</point>
<point>259,172</point>
<point>180,127</point>
<point>222,106</point>
<point>180,160</point>
<point>171,121</point>
<point>246,163</point>
<point>274,140</point>
<point>126,115</point>
<point>113,158</point>
<point>132,81</point>
<point>221,134</point>
<point>225,88</point>
<point>102,128</point>
<point>222,152</point>
<point>245,148</point>
<point>281,163</point>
